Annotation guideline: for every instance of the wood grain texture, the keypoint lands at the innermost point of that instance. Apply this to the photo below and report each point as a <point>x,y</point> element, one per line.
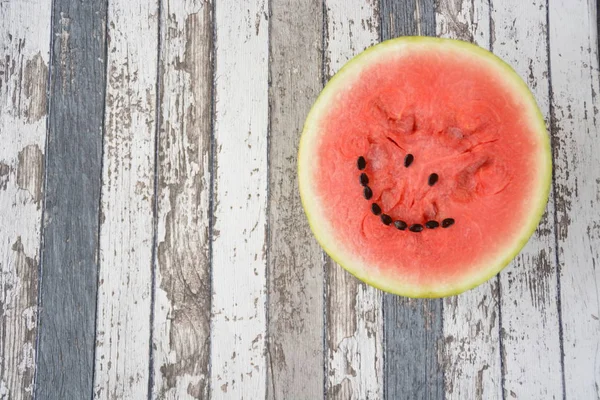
<point>24,55</point>
<point>73,171</point>
<point>471,353</point>
<point>472,368</point>
<point>182,293</point>
<point>295,262</point>
<point>412,327</point>
<point>407,18</point>
<point>286,322</point>
<point>413,343</point>
<point>465,20</point>
<point>126,228</point>
<point>354,330</point>
<point>240,201</point>
<point>528,292</point>
<point>575,80</point>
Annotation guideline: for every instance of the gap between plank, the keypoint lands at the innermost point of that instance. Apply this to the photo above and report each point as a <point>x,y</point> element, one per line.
<point>498,280</point>
<point>103,131</point>
<point>324,39</point>
<point>270,375</point>
<point>41,249</point>
<point>153,262</point>
<point>553,132</point>
<point>211,196</point>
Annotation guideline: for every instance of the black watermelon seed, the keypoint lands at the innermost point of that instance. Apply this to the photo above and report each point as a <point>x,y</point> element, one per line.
<point>364,179</point>
<point>401,225</point>
<point>368,193</point>
<point>433,178</point>
<point>376,209</point>
<point>447,222</point>
<point>432,224</point>
<point>408,160</point>
<point>386,219</point>
<point>416,228</point>
<point>361,163</point>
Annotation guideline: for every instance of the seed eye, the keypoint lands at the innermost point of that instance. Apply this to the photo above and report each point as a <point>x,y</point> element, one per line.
<point>433,178</point>
<point>367,192</point>
<point>408,160</point>
<point>361,163</point>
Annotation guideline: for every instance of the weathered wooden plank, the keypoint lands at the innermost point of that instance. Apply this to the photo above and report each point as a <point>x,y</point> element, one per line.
<point>126,227</point>
<point>73,172</point>
<point>181,323</point>
<point>575,79</point>
<point>407,18</point>
<point>295,263</point>
<point>413,341</point>
<point>471,320</point>
<point>464,19</point>
<point>530,344</point>
<point>354,333</point>
<point>24,55</point>
<point>239,245</point>
<point>412,328</point>
<point>472,367</point>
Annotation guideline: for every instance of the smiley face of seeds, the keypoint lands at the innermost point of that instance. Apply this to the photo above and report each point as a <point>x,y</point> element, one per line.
<point>386,219</point>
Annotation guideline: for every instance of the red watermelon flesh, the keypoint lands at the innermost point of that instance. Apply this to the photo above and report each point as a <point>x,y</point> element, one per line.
<point>451,143</point>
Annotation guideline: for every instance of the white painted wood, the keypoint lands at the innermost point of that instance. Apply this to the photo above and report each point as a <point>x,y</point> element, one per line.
<point>354,338</point>
<point>528,289</point>
<point>467,20</point>
<point>354,310</point>
<point>575,82</point>
<point>24,55</point>
<point>471,358</point>
<point>126,221</point>
<point>182,291</point>
<point>471,355</point>
<point>240,200</point>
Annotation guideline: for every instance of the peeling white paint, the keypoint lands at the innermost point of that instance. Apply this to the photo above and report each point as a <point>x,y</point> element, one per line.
<point>126,226</point>
<point>24,45</point>
<point>182,290</point>
<point>575,81</point>
<point>240,202</point>
<point>528,285</point>
<point>356,362</point>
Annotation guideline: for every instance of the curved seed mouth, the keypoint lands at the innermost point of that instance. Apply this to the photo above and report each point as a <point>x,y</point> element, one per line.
<point>386,219</point>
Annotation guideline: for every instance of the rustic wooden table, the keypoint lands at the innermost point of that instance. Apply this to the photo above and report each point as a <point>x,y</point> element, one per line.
<point>152,242</point>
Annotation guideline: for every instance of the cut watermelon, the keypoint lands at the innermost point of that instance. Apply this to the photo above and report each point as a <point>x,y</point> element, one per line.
<point>424,166</point>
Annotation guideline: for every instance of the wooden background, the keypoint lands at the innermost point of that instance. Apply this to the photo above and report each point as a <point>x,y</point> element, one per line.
<point>152,242</point>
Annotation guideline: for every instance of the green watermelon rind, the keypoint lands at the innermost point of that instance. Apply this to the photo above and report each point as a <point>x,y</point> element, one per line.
<point>311,205</point>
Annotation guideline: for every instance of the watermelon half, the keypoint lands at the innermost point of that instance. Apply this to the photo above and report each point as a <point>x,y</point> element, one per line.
<point>424,166</point>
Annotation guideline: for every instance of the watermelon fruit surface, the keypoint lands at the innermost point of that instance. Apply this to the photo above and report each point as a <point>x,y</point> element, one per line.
<point>424,166</point>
